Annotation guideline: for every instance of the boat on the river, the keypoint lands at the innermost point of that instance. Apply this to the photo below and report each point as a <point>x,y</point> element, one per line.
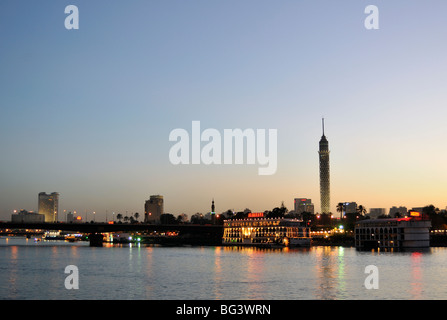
<point>266,232</point>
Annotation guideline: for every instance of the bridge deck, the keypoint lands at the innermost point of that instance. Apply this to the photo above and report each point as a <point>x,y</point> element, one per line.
<point>105,227</point>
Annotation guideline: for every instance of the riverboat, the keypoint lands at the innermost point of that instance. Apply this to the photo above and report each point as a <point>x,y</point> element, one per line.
<point>265,232</point>
<point>411,232</point>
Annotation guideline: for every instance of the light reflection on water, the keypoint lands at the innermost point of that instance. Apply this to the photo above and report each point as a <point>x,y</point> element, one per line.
<point>31,270</point>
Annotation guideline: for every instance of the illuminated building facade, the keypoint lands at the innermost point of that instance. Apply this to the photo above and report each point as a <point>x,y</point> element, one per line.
<point>49,206</point>
<point>153,209</point>
<point>400,233</point>
<point>323,152</point>
<point>304,205</point>
<point>24,216</point>
<point>256,214</point>
<point>266,232</point>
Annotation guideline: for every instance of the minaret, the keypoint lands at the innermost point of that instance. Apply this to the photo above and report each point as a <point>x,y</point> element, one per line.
<point>213,213</point>
<point>325,198</point>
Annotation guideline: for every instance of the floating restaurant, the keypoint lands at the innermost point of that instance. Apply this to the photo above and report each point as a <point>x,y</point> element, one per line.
<point>412,232</point>
<point>265,232</point>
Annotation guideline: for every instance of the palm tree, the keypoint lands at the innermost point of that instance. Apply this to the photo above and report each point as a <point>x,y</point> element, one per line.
<point>119,216</point>
<point>361,210</point>
<point>340,208</point>
<point>136,215</point>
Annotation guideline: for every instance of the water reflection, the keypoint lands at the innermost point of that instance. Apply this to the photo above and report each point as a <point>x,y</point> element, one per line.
<point>263,272</point>
<point>246,272</point>
<point>150,272</point>
<point>341,281</point>
<point>416,276</point>
<point>329,275</point>
<point>219,276</point>
<point>255,273</point>
<point>13,268</point>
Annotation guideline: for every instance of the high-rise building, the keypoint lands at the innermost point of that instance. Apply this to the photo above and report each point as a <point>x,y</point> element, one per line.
<point>303,205</point>
<point>374,213</point>
<point>153,209</point>
<point>70,217</point>
<point>325,198</point>
<point>350,207</point>
<point>347,207</point>
<point>49,206</point>
<point>398,212</point>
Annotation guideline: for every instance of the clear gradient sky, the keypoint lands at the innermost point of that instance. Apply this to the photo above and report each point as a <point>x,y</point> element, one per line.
<point>88,112</point>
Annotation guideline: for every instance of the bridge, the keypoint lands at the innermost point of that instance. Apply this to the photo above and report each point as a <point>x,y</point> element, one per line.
<point>188,233</point>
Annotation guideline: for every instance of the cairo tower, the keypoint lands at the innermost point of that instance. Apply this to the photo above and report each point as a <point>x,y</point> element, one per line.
<point>325,197</point>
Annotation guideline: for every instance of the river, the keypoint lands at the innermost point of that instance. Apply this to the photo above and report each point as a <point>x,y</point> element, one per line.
<point>32,270</point>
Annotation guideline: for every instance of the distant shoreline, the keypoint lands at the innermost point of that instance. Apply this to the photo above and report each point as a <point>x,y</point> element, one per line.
<point>436,240</point>
<point>348,241</point>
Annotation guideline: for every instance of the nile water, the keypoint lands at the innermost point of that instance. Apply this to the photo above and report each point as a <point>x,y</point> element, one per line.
<point>35,270</point>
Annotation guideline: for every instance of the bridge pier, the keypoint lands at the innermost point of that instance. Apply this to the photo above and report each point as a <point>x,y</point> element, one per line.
<point>96,239</point>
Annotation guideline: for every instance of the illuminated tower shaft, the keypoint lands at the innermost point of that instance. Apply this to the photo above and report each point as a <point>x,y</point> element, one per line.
<point>325,197</point>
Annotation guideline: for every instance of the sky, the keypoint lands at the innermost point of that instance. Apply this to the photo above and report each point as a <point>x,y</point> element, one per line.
<point>88,112</point>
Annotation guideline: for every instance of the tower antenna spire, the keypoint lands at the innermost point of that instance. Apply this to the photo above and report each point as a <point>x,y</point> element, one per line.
<point>322,120</point>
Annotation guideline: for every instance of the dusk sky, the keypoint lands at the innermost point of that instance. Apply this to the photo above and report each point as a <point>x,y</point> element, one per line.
<point>88,112</point>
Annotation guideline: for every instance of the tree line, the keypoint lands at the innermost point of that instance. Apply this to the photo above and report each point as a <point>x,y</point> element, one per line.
<point>315,220</point>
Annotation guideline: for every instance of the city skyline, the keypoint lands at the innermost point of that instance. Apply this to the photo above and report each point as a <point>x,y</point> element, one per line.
<point>87,113</point>
<point>108,215</point>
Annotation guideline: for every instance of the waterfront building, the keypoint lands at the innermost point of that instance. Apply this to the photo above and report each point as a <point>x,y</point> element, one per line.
<point>266,232</point>
<point>398,233</point>
<point>153,209</point>
<point>325,199</point>
<point>303,205</point>
<point>400,212</point>
<point>49,206</point>
<point>24,216</point>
